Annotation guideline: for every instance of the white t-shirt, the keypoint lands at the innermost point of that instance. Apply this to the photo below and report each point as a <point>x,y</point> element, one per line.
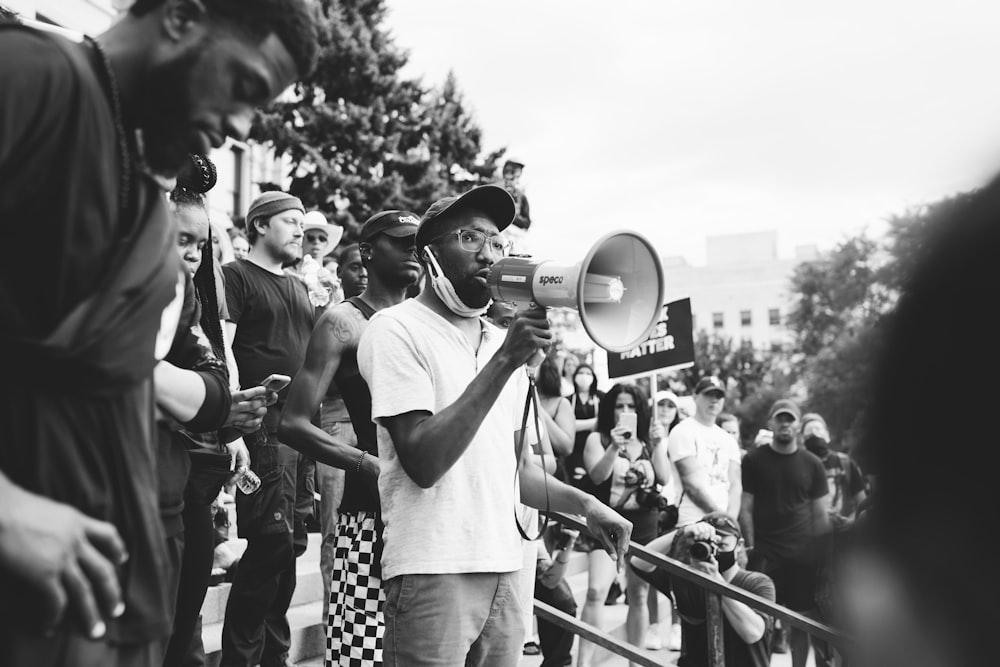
<point>415,360</point>
<point>714,449</point>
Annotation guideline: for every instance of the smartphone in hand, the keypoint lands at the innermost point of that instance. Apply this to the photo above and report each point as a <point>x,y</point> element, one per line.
<point>276,382</point>
<point>629,421</point>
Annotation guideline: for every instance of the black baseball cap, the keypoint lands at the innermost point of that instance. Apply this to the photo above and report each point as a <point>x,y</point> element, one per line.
<point>723,523</point>
<point>394,223</point>
<point>492,200</point>
<point>710,383</point>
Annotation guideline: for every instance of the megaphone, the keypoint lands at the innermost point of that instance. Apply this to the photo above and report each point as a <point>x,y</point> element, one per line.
<point>618,288</point>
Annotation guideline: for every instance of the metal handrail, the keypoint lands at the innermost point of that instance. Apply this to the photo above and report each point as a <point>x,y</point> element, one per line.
<point>594,635</point>
<point>714,590</point>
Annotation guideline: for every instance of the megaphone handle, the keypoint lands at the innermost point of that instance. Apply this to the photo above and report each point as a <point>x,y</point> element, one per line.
<point>535,362</point>
<point>539,357</point>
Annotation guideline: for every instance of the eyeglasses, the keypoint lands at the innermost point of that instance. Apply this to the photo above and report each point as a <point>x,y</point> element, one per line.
<point>473,241</point>
<point>316,238</point>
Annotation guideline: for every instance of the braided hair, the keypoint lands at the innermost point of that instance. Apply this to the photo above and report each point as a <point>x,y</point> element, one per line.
<point>197,177</point>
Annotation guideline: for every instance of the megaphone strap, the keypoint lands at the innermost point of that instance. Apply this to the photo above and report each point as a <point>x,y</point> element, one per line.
<point>531,401</point>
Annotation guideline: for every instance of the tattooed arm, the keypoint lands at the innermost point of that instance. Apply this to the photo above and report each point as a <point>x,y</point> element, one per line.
<point>337,331</point>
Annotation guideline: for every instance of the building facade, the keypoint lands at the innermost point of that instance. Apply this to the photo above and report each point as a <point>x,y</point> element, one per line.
<point>741,292</point>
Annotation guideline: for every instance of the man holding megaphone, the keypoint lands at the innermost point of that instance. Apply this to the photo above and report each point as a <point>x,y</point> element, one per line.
<point>448,393</point>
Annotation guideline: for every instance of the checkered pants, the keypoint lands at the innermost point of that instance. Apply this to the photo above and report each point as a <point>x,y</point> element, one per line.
<point>356,624</point>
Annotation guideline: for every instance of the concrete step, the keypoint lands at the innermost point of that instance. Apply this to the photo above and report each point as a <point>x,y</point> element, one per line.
<point>305,614</point>
<point>308,636</point>
<point>308,586</point>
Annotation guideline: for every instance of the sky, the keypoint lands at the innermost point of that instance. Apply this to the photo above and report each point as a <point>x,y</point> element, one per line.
<point>684,120</point>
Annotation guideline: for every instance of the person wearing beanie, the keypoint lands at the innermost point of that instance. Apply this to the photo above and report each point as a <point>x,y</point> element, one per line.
<point>784,521</point>
<point>270,319</point>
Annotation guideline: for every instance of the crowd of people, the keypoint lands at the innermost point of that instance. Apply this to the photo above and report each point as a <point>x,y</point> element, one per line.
<point>159,362</point>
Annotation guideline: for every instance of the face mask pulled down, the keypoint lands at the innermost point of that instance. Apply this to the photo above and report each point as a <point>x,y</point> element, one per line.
<point>446,290</point>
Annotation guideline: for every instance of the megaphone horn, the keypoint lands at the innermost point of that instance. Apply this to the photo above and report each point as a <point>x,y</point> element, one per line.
<point>618,288</point>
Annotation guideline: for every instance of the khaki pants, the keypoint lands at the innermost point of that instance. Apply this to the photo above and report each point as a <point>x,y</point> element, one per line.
<point>453,619</point>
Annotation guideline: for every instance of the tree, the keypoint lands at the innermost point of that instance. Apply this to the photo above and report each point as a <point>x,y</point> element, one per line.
<point>913,234</point>
<point>359,136</point>
<point>841,305</point>
<point>837,292</point>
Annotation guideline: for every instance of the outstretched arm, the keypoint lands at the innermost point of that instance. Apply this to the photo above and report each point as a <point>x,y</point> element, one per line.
<point>545,492</point>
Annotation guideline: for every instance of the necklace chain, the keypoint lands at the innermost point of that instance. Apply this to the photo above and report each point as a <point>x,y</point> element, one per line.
<point>125,154</point>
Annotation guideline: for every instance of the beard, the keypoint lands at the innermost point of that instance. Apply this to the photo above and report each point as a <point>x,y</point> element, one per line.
<point>167,103</point>
<point>471,292</point>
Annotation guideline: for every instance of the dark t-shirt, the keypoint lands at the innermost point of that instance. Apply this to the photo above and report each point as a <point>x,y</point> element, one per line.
<point>690,601</point>
<point>274,320</point>
<point>78,331</point>
<point>783,487</point>
<point>845,482</point>
<point>575,472</point>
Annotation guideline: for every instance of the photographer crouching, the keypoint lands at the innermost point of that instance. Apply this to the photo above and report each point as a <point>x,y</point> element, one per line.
<point>713,546</point>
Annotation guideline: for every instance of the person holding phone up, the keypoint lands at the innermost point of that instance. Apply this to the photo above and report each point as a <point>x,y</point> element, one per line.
<point>626,471</point>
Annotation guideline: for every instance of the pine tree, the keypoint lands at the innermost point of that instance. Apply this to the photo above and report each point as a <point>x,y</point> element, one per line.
<point>362,138</point>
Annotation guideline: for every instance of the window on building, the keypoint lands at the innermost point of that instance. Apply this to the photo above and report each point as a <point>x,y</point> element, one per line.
<point>717,320</point>
<point>745,318</point>
<point>774,317</point>
<point>226,199</point>
<point>238,160</point>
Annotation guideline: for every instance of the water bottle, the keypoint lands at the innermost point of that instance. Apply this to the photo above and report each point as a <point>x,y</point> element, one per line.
<point>247,481</point>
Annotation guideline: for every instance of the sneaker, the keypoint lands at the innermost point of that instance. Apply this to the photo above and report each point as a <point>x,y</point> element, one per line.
<point>532,648</point>
<point>779,640</point>
<point>652,642</point>
<point>614,593</point>
<point>674,641</point>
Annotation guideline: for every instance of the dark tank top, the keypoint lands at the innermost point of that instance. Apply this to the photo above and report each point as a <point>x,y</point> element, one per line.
<point>359,495</point>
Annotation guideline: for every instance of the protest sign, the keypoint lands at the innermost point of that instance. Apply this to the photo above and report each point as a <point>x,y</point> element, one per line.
<point>671,345</point>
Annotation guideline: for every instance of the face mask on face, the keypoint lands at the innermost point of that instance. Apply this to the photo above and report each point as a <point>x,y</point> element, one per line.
<point>446,291</point>
<point>725,559</point>
<point>818,446</point>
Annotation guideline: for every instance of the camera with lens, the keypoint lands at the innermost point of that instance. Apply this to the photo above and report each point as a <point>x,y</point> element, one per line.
<point>703,550</point>
<point>651,498</point>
